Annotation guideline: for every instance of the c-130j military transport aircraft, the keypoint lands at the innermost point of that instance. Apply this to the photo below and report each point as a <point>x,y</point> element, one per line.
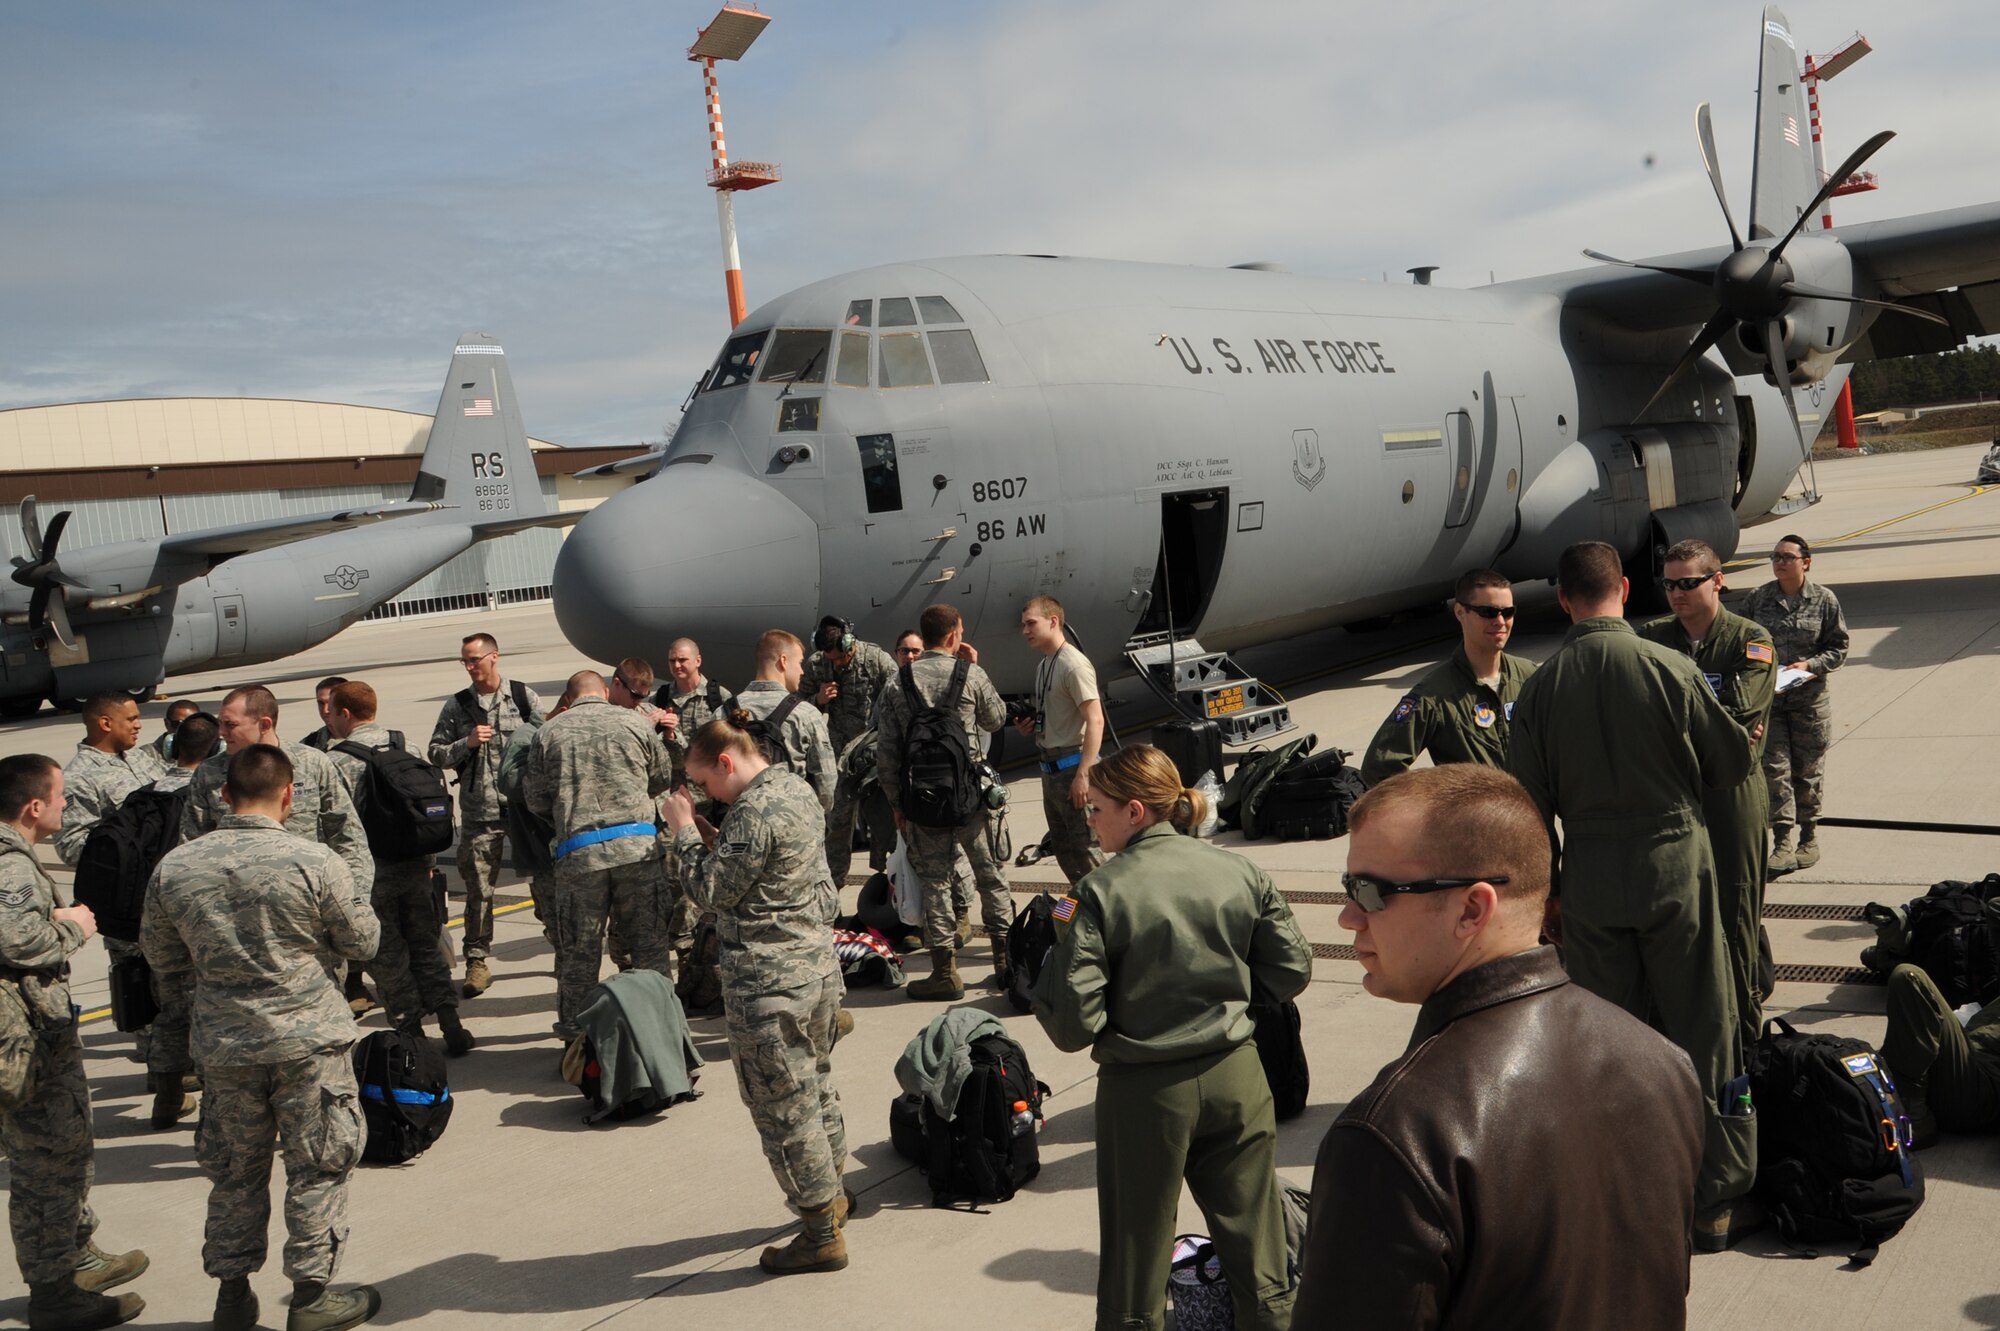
<point>123,616</point>
<point>1249,455</point>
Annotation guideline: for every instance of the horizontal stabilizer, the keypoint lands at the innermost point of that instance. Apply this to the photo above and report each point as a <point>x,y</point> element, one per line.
<point>225,542</point>
<point>642,462</point>
<point>486,531</point>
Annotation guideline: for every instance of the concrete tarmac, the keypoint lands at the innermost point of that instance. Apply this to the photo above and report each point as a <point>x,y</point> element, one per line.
<point>524,1216</point>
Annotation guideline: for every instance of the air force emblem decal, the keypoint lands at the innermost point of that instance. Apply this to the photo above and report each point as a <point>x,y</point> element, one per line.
<point>346,577</point>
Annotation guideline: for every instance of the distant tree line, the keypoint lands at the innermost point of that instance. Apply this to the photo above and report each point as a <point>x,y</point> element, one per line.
<point>1965,375</point>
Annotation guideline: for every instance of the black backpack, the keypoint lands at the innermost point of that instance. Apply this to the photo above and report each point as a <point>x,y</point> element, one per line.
<point>1283,1054</point>
<point>405,1100</point>
<point>1309,800</point>
<point>1248,786</point>
<point>1029,939</point>
<point>119,857</point>
<point>1954,933</point>
<point>769,732</point>
<point>1836,1159</point>
<point>406,809</point>
<point>940,788</point>
<point>988,1150</point>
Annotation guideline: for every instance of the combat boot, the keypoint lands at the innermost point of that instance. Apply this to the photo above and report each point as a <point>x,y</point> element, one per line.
<point>170,1106</point>
<point>359,1000</point>
<point>943,986</point>
<point>457,1039</point>
<point>843,1024</point>
<point>62,1305</point>
<point>1718,1227</point>
<point>964,934</point>
<point>477,977</point>
<point>98,1270</point>
<point>317,1308</point>
<point>1783,858</point>
<point>1000,967</point>
<point>235,1305</point>
<point>1808,852</point>
<point>820,1245</point>
<point>845,1205</point>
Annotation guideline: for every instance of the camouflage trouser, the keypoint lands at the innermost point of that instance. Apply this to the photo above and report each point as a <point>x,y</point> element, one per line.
<point>631,899</point>
<point>1931,1059</point>
<point>408,966</point>
<point>1795,742</point>
<point>840,828</point>
<point>681,912</point>
<point>312,1107</point>
<point>783,1047</point>
<point>479,846</point>
<point>167,1055</point>
<point>1070,837</point>
<point>934,857</point>
<point>47,1141</point>
<point>118,949</point>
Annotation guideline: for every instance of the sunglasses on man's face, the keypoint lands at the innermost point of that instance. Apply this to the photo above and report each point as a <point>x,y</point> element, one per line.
<point>1489,611</point>
<point>1374,894</point>
<point>1685,584</point>
<point>1784,559</point>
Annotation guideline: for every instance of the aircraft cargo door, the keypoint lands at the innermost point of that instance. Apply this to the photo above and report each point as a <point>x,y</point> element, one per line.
<point>1194,527</point>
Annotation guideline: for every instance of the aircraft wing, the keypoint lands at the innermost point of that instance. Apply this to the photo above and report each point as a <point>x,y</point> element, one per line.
<point>492,527</point>
<point>625,466</point>
<point>241,539</point>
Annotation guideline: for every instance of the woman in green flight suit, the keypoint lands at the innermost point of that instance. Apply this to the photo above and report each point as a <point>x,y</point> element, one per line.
<point>1158,955</point>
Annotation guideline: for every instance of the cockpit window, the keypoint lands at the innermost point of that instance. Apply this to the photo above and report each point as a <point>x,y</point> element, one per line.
<point>860,314</point>
<point>897,313</point>
<point>957,356</point>
<point>903,363</point>
<point>798,356</point>
<point>738,362</point>
<point>937,310</point>
<point>879,479</point>
<point>852,371</point>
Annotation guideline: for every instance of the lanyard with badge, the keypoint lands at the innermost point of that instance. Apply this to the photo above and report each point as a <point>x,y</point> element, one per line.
<point>1044,676</point>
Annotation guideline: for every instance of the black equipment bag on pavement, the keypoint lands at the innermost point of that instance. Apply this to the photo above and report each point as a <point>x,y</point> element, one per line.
<point>1195,747</point>
<point>1954,933</point>
<point>1310,799</point>
<point>983,1154</point>
<point>133,1006</point>
<point>1029,939</point>
<point>940,788</point>
<point>406,809</point>
<point>119,857</point>
<point>1836,1159</point>
<point>1283,1054</point>
<point>1256,771</point>
<point>405,1101</point>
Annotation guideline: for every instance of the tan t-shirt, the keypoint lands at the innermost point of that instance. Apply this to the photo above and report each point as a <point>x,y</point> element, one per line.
<point>1063,684</point>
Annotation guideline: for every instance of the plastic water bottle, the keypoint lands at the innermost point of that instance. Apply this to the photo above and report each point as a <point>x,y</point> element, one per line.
<point>1023,1121</point>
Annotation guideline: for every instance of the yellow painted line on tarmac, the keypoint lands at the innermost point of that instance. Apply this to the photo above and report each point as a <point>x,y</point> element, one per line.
<point>1972,493</point>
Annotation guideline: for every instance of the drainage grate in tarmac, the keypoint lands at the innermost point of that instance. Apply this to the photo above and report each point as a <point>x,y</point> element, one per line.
<point>1333,952</point>
<point>1774,910</point>
<point>1829,975</point>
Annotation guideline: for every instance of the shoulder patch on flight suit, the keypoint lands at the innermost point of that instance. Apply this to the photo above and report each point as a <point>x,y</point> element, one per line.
<point>1064,910</point>
<point>1482,715</point>
<point>1405,709</point>
<point>1760,651</point>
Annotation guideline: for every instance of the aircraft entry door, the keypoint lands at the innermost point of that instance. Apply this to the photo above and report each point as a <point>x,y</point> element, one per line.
<point>1194,527</point>
<point>229,626</point>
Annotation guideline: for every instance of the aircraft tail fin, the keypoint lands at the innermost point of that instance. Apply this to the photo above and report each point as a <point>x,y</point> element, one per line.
<point>1784,176</point>
<point>477,460</point>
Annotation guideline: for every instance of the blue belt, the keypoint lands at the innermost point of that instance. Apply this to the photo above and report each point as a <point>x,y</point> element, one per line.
<point>582,839</point>
<point>1062,764</point>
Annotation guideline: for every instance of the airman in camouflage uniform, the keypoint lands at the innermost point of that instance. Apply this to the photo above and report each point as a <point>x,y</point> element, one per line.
<point>264,920</point>
<point>933,850</point>
<point>843,682</point>
<point>1810,633</point>
<point>766,882</point>
<point>593,774</point>
<point>470,735</point>
<point>808,750</point>
<point>687,702</point>
<point>46,1135</point>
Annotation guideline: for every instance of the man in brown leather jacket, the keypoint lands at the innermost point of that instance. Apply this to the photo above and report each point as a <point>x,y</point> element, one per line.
<point>1530,1160</point>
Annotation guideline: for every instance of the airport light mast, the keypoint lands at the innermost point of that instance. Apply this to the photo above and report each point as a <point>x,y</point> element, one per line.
<point>1818,68</point>
<point>727,36</point>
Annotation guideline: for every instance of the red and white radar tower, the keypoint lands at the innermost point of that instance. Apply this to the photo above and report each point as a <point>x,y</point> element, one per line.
<point>1817,69</point>
<point>727,36</point>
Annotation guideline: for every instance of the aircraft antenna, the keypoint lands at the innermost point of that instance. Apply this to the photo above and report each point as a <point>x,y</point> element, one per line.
<point>1817,68</point>
<point>727,36</point>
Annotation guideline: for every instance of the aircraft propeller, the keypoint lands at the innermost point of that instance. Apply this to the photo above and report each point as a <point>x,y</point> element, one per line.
<point>49,603</point>
<point>1754,286</point>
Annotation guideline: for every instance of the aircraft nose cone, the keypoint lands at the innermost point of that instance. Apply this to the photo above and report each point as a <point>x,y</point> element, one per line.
<point>698,552</point>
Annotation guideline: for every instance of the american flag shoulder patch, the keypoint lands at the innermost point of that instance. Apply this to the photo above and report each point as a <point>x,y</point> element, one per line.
<point>1760,651</point>
<point>1064,909</point>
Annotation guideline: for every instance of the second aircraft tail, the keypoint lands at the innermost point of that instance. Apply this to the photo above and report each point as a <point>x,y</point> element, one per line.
<point>477,460</point>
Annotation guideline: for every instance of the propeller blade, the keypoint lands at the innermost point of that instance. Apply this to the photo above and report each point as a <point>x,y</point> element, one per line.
<point>38,605</point>
<point>31,528</point>
<point>1821,293</point>
<point>47,550</point>
<point>1711,333</point>
<point>59,621</point>
<point>1847,168</point>
<point>1704,132</point>
<point>1690,274</point>
<point>1774,349</point>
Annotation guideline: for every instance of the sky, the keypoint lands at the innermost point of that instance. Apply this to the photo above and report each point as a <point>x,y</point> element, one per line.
<point>312,200</point>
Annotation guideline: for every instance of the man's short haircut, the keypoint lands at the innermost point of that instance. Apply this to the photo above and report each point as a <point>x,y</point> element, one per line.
<point>1589,571</point>
<point>356,699</point>
<point>1048,607</point>
<point>258,773</point>
<point>693,647</point>
<point>487,642</point>
<point>25,777</point>
<point>937,623</point>
<point>1471,820</point>
<point>104,704</point>
<point>586,682</point>
<point>195,739</point>
<point>330,682</point>
<point>773,644</point>
<point>1474,579</point>
<point>1694,551</point>
<point>256,700</point>
<point>1799,541</point>
<point>185,707</point>
<point>637,672</point>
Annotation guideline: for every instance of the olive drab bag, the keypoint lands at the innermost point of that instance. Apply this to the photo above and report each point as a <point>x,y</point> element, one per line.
<point>940,785</point>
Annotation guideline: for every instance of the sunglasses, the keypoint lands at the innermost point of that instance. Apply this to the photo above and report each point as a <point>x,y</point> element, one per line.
<point>1685,584</point>
<point>619,680</point>
<point>1372,894</point>
<point>1489,611</point>
<point>1784,559</point>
